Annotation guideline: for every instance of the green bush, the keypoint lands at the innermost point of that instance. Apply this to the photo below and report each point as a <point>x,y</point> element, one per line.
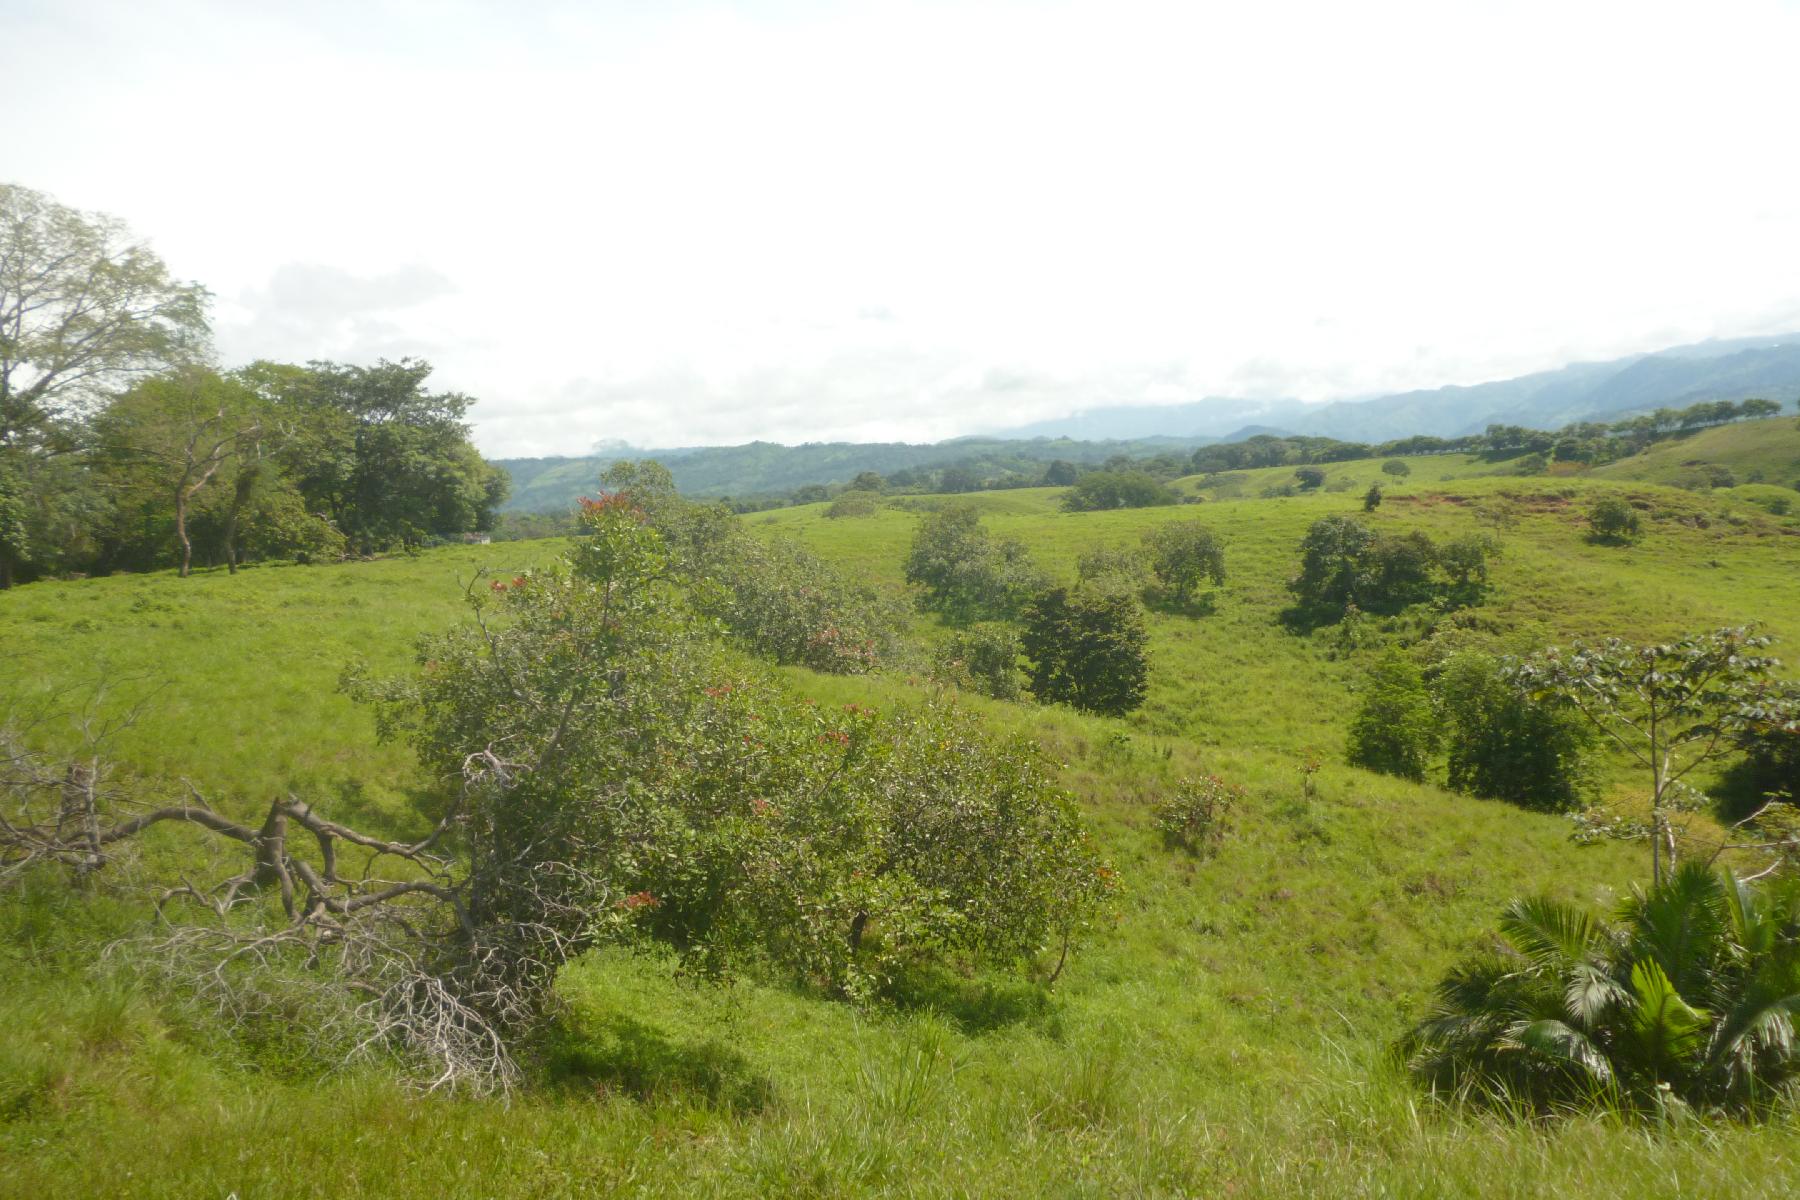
<point>963,573</point>
<point>1087,647</point>
<point>1685,1001</point>
<point>1505,745</point>
<point>1395,467</point>
<point>1197,816</point>
<point>1612,520</point>
<point>1100,490</point>
<point>982,658</point>
<point>854,503</point>
<point>1183,555</point>
<point>1395,728</point>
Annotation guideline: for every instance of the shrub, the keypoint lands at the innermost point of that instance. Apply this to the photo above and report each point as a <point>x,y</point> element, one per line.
<point>1395,728</point>
<point>642,783</point>
<point>1372,498</point>
<point>1117,566</point>
<point>1183,555</point>
<point>1309,478</point>
<point>1395,467</point>
<point>982,658</point>
<point>964,574</point>
<point>1504,744</point>
<point>1086,647</point>
<point>782,601</point>
<point>1099,490</point>
<point>1613,521</point>
<point>1343,562</point>
<point>1198,815</point>
<point>1685,1000</point>
<point>854,503</point>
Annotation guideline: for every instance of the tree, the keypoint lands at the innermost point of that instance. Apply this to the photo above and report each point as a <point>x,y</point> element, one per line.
<point>1612,520</point>
<point>83,308</point>
<point>1464,561</point>
<point>1099,490</point>
<point>1395,728</point>
<point>867,481</point>
<point>1086,647</point>
<point>1395,467</point>
<point>956,480</point>
<point>1756,409</point>
<point>1670,707</point>
<point>1184,554</point>
<point>982,658</point>
<point>185,428</point>
<point>1309,478</point>
<point>1060,473</point>
<point>1505,744</point>
<point>1686,1000</point>
<point>1333,558</point>
<point>964,574</point>
<point>1372,498</point>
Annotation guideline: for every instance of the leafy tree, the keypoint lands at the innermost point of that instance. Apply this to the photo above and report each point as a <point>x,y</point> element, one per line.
<point>1100,490</point>
<point>1464,561</point>
<point>1183,555</point>
<point>1612,520</point>
<point>1670,707</point>
<point>1118,566</point>
<point>1372,498</point>
<point>957,480</point>
<point>1686,1000</point>
<point>632,781</point>
<point>1395,728</point>
<point>84,308</point>
<point>854,503</point>
<point>982,658</point>
<point>1506,744</point>
<point>1309,478</point>
<point>964,574</point>
<point>1334,565</point>
<point>1395,467</point>
<point>867,481</point>
<point>1061,473</point>
<point>1086,647</point>
<point>1756,409</point>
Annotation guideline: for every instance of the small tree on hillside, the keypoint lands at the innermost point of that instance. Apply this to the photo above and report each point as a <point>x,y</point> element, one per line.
<point>1372,498</point>
<point>1101,490</point>
<point>1670,707</point>
<point>1505,744</point>
<point>1087,648</point>
<point>963,572</point>
<point>1613,521</point>
<point>1396,468</point>
<point>1394,730</point>
<point>1183,555</point>
<point>1309,478</point>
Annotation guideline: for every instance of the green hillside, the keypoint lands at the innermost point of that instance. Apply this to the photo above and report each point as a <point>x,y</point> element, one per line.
<point>1752,451</point>
<point>1228,1033</point>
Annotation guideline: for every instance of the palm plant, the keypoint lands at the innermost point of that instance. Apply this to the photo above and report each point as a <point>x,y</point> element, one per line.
<point>1688,997</point>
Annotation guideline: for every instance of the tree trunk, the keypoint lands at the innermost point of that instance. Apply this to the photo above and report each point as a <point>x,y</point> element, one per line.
<point>181,533</point>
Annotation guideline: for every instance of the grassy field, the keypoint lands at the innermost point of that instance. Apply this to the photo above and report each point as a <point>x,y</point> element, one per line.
<point>1227,1034</point>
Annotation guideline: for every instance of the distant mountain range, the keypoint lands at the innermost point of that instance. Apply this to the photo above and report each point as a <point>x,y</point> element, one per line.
<point>1718,370</point>
<point>1683,375</point>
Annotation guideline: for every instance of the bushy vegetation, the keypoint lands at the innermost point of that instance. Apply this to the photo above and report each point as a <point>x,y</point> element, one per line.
<point>1183,555</point>
<point>1104,490</point>
<point>964,574</point>
<point>1197,815</point>
<point>1086,647</point>
<point>1345,563</point>
<point>1614,521</point>
<point>983,658</point>
<point>1685,1002</point>
<point>1395,728</point>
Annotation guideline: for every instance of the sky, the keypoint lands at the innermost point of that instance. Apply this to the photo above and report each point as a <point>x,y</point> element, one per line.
<point>673,223</point>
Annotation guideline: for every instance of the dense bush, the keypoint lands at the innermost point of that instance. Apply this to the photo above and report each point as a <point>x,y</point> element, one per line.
<point>1100,490</point>
<point>1309,478</point>
<point>1395,728</point>
<point>636,781</point>
<point>1343,562</point>
<point>1198,815</point>
<point>982,658</point>
<point>777,599</point>
<point>963,573</point>
<point>1183,555</point>
<point>1612,520</point>
<point>1396,468</point>
<point>1086,647</point>
<point>1116,566</point>
<point>854,503</point>
<point>1685,1001</point>
<point>1506,745</point>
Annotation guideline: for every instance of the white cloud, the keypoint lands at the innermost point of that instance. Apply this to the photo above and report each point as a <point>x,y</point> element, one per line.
<point>700,222</point>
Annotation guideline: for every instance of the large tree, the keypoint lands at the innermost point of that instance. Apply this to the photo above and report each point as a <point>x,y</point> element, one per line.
<point>84,307</point>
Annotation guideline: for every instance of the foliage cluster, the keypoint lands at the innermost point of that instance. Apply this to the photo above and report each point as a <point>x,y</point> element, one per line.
<point>1343,563</point>
<point>1197,815</point>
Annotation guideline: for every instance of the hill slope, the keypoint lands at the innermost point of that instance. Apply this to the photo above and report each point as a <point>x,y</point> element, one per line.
<point>1226,1035</point>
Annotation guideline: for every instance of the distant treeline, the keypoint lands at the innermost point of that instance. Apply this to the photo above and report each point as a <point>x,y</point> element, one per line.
<point>1589,443</point>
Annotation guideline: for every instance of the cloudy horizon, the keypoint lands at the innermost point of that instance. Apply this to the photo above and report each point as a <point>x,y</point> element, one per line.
<point>690,224</point>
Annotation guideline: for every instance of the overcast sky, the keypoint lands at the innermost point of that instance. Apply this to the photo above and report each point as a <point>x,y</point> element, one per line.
<point>676,223</point>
